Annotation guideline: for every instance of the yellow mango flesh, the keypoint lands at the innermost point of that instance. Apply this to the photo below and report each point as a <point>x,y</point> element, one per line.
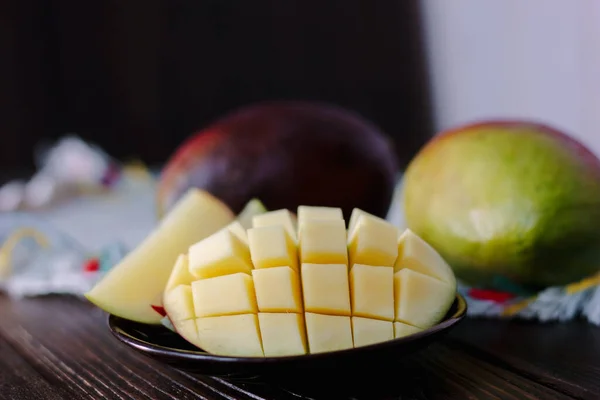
<point>401,329</point>
<point>325,289</point>
<point>269,297</point>
<point>328,332</point>
<point>277,290</point>
<point>420,300</point>
<point>231,335</point>
<point>272,246</point>
<point>240,297</point>
<point>181,303</point>
<point>276,218</point>
<point>373,241</point>
<point>220,254</point>
<point>367,331</point>
<point>416,254</point>
<point>181,273</point>
<point>130,288</point>
<point>312,212</point>
<point>323,242</point>
<point>308,213</point>
<point>369,303</point>
<point>283,334</point>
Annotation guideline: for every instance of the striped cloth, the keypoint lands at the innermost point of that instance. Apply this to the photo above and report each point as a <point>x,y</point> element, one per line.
<point>552,304</point>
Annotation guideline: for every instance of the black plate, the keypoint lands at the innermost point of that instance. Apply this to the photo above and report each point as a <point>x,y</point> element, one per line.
<point>165,346</point>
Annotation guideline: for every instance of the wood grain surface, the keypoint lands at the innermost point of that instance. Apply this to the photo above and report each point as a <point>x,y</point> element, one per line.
<point>60,348</point>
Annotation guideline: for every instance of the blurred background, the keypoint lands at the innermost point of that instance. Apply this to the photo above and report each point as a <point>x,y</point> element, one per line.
<point>138,77</point>
<point>536,59</point>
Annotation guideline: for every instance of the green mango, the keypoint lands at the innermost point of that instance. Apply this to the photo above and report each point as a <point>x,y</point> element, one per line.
<point>507,200</point>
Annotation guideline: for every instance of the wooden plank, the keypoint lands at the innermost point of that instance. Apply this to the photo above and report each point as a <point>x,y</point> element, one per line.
<point>563,356</point>
<point>437,373</point>
<point>19,380</point>
<point>67,342</point>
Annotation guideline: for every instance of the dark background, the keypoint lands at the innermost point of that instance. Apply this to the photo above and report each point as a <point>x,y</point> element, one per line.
<point>138,76</point>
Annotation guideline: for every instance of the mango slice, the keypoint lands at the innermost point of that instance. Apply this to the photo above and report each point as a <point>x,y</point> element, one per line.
<point>132,287</point>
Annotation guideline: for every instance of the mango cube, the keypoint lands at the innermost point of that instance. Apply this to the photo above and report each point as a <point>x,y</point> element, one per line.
<point>220,254</point>
<point>373,242</point>
<point>282,334</point>
<point>420,300</point>
<point>238,230</point>
<point>277,290</point>
<point>323,242</point>
<point>368,331</point>
<point>276,218</point>
<point>188,330</point>
<point>180,274</point>
<point>325,289</point>
<point>224,295</point>
<point>328,332</point>
<point>272,246</point>
<point>356,214</point>
<point>401,330</point>
<point>372,291</point>
<point>181,303</point>
<point>232,335</point>
<point>416,254</point>
<point>311,212</point>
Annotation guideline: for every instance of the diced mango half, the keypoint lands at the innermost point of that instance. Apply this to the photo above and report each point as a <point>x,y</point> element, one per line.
<point>276,218</point>
<point>373,241</point>
<point>220,254</point>
<point>272,246</point>
<point>323,242</point>
<point>270,295</point>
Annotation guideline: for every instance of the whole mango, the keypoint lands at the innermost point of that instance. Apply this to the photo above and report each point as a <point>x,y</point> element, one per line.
<point>286,153</point>
<point>508,201</point>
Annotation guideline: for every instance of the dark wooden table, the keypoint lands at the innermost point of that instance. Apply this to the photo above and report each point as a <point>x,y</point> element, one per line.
<point>60,348</point>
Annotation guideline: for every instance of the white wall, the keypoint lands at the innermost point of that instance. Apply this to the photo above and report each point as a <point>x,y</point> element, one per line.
<point>536,59</point>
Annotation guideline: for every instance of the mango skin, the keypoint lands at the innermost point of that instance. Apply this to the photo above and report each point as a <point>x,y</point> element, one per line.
<point>286,153</point>
<point>512,199</point>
